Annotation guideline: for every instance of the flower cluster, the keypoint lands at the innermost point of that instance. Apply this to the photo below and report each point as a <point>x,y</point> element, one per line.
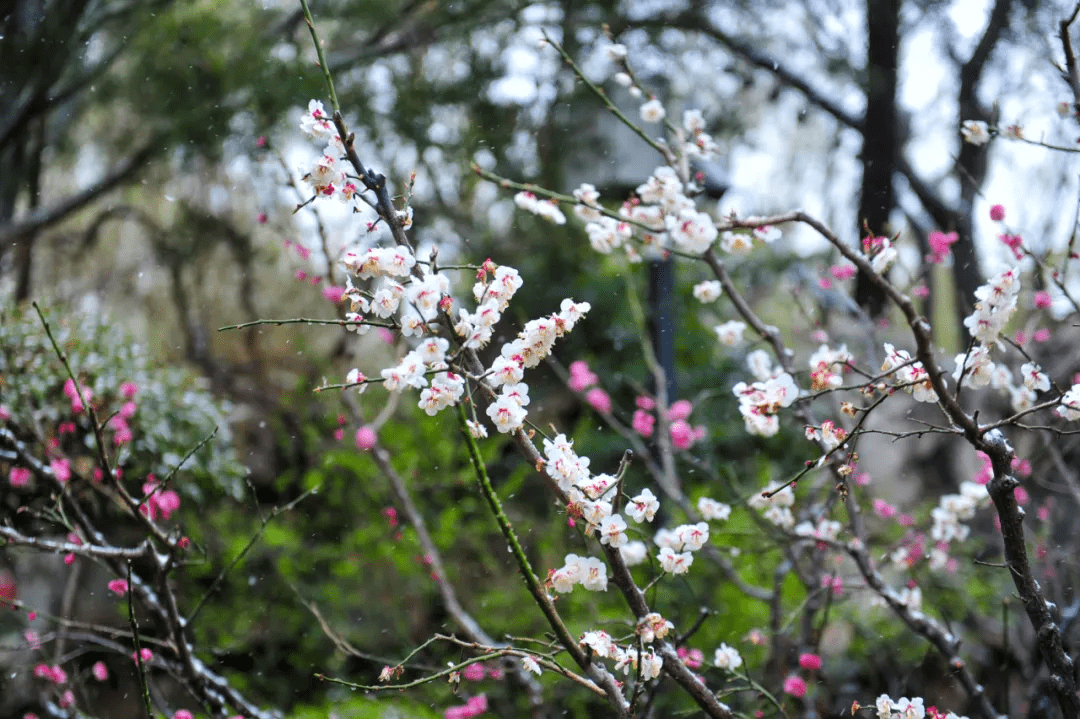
<point>996,302</point>
<point>727,658</point>
<point>775,503</point>
<point>826,530</point>
<point>760,402</point>
<point>711,510</point>
<point>911,376</point>
<point>1069,409</point>
<point>678,545</point>
<point>327,175</point>
<point>904,708</point>
<point>881,252</point>
<point>954,509</point>
<point>826,367</point>
<point>707,291</point>
<point>626,659</point>
<point>547,209</point>
<point>589,572</point>
<point>699,143</point>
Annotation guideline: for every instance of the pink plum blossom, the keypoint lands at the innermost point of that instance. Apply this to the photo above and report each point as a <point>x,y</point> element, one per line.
<point>365,438</point>
<point>599,400</point>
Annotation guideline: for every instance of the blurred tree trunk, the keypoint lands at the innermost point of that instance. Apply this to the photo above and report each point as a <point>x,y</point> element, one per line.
<point>880,136</point>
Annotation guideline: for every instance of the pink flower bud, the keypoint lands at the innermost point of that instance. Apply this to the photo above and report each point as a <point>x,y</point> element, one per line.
<point>599,400</point>
<point>795,686</point>
<point>679,410</point>
<point>19,476</point>
<point>365,438</point>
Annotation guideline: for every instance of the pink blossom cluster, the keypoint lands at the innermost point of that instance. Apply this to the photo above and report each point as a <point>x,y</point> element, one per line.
<point>54,673</point>
<point>475,706</point>
<point>581,377</point>
<point>940,244</point>
<point>72,393</point>
<point>158,502</point>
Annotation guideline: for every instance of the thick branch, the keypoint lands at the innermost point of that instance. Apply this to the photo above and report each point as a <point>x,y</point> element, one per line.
<point>50,215</point>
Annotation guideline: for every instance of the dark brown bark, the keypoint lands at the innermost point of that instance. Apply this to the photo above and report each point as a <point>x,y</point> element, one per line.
<point>880,136</point>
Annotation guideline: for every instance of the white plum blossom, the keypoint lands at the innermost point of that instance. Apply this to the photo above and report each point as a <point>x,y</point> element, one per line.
<point>604,234</point>
<point>642,508</point>
<point>1034,378</point>
<point>587,209</point>
<point>433,350</point>
<point>590,572</point>
<point>693,121</point>
<point>664,188</point>
<point>326,174</point>
<point>1069,409</point>
<point>424,295</point>
<point>616,52</point>
<point>1021,398</point>
<point>730,333</point>
<point>599,642</point>
<point>476,430</point>
<point>996,302</point>
<point>736,242</point>
<point>386,299</point>
<point>316,123</point>
<point>595,512</point>
<point>597,486</point>
<point>652,111</point>
<point>975,367</point>
<point>390,261</point>
<point>505,282</point>
<point>712,510</point>
<point>634,553</point>
<point>505,370</point>
<point>975,132</point>
<point>826,529</point>
<point>409,372</point>
<point>884,256</point>
<point>675,562</point>
<point>653,626</point>
<point>445,391</point>
<point>911,376</point>
<point>829,435</point>
<point>707,291</point>
<point>775,505</point>
<point>759,402</point>
<point>626,660</point>
<point>564,578</point>
<point>547,209</point>
<point>692,231</point>
<point>594,575</point>
<point>692,537</point>
<point>760,365</point>
<point>613,531</point>
<point>651,664</point>
<point>506,414</point>
<point>563,465</point>
<point>518,393</point>
<point>727,658</point>
<point>529,664</point>
<point>357,377</point>
<point>911,597</point>
<point>826,365</point>
<point>780,516</point>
